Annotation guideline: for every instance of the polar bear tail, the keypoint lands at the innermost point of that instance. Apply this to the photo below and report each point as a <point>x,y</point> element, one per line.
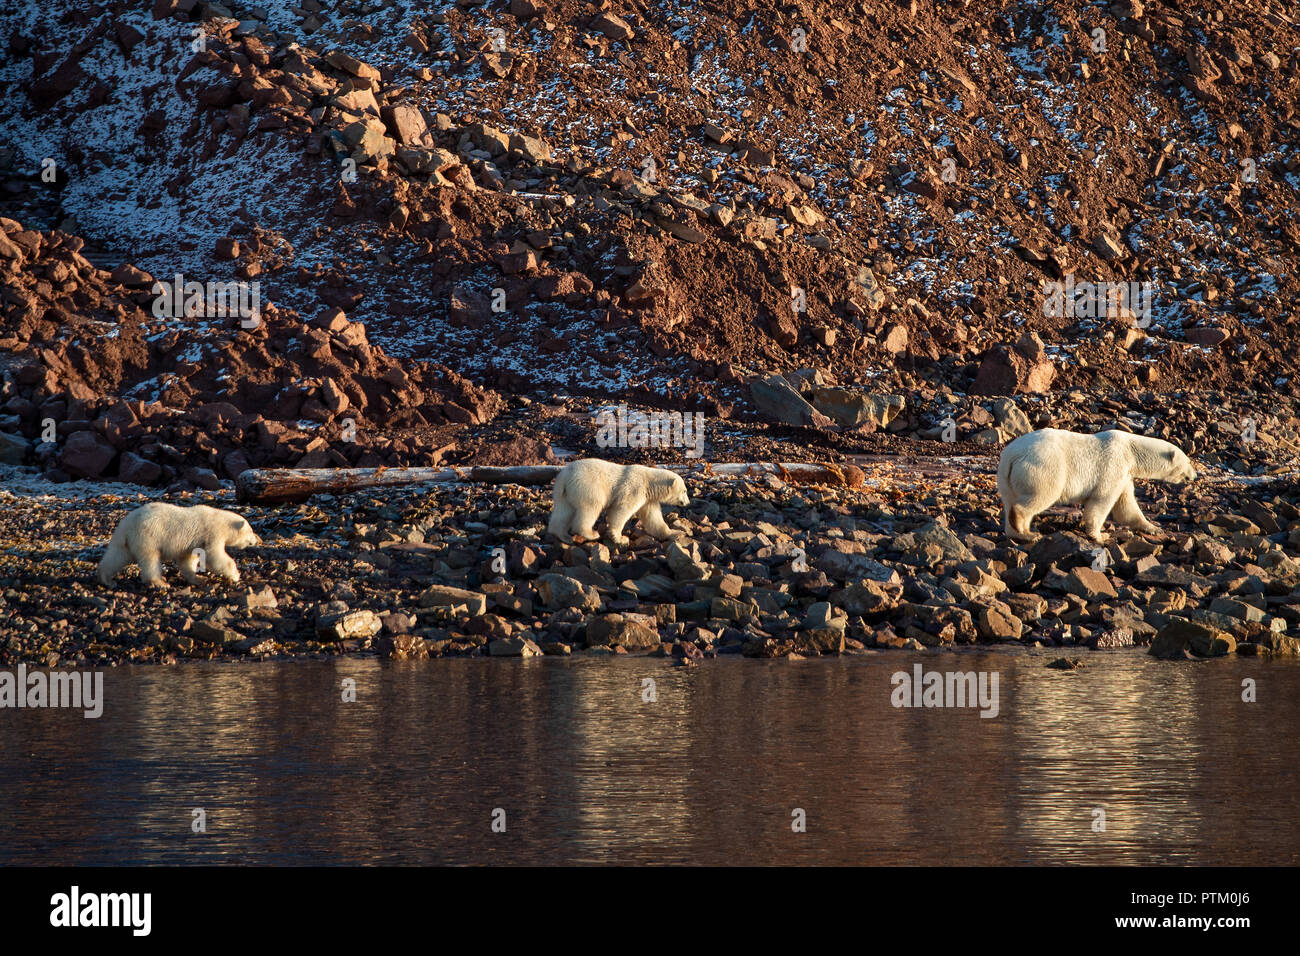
<point>1006,487</point>
<point>1004,477</point>
<point>116,556</point>
<point>561,510</point>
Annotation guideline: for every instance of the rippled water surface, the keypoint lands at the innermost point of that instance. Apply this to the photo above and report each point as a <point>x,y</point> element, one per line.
<point>586,770</point>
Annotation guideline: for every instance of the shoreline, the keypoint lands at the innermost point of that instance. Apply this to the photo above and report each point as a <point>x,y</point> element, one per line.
<point>914,559</point>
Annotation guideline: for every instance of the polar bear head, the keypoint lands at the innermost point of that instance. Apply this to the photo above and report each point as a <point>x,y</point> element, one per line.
<point>1157,459</point>
<point>668,488</point>
<point>240,533</point>
<point>1178,467</point>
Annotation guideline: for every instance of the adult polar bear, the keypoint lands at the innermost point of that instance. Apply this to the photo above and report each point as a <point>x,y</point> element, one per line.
<point>1049,466</point>
<point>158,532</point>
<point>587,488</point>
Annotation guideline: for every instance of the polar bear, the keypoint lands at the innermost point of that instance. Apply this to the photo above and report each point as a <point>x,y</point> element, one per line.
<point>587,488</point>
<point>1049,466</point>
<point>193,539</point>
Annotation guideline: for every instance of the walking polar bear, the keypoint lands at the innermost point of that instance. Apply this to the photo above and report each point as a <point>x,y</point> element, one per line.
<point>1051,466</point>
<point>158,532</point>
<point>590,487</point>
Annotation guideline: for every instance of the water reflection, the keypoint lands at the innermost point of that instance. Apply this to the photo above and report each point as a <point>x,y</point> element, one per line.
<point>710,771</point>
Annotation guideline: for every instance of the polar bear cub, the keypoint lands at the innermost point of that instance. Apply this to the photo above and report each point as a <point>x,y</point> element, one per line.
<point>587,488</point>
<point>193,539</point>
<point>1051,466</point>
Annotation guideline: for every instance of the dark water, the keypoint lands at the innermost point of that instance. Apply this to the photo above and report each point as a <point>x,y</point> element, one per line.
<point>588,772</point>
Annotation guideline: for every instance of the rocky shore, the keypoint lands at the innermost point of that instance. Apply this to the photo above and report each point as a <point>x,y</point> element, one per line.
<point>914,558</point>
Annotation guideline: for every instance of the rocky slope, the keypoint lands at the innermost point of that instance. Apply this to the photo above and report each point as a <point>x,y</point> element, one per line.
<point>632,199</point>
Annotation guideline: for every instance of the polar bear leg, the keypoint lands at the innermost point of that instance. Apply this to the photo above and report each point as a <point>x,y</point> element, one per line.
<point>1095,512</point>
<point>561,519</point>
<point>583,522</point>
<point>151,570</point>
<point>1031,488</point>
<point>189,566</point>
<point>1017,524</point>
<point>222,564</point>
<point>116,557</point>
<point>652,520</point>
<point>623,504</point>
<point>619,514</point>
<point>1128,513</point>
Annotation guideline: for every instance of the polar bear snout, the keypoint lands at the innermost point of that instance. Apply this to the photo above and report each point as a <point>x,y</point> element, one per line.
<point>1182,471</point>
<point>681,499</point>
<point>670,489</point>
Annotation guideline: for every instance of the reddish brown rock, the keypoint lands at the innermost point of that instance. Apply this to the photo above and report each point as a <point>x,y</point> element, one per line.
<point>86,454</point>
<point>406,123</point>
<point>127,274</point>
<point>1207,337</point>
<point>614,27</point>
<point>1006,372</point>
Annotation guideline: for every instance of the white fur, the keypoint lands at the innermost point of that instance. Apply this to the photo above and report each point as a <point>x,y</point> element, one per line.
<point>1051,466</point>
<point>158,532</point>
<point>590,487</point>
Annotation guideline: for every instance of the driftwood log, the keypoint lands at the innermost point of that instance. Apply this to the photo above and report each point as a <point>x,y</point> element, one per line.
<point>277,485</point>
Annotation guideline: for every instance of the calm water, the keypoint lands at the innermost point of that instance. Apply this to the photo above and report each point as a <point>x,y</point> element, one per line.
<point>587,771</point>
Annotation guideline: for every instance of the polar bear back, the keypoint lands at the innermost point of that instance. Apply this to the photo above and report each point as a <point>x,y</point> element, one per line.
<point>596,480</point>
<point>174,532</point>
<point>1074,465</point>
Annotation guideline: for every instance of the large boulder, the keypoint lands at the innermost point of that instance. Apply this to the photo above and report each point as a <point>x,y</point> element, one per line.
<point>851,408</point>
<point>942,537</point>
<point>1180,636</point>
<point>559,591</point>
<point>13,449</point>
<point>442,596</point>
<point>516,646</point>
<point>86,455</point>
<point>625,630</point>
<point>136,470</point>
<point>1007,372</point>
<point>407,124</point>
<point>777,399</point>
